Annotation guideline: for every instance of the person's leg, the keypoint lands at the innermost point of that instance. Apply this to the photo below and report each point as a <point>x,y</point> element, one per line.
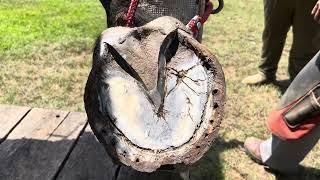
<point>284,155</point>
<point>306,37</point>
<point>277,20</point>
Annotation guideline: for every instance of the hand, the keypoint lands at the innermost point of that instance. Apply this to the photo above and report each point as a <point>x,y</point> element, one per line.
<point>316,12</point>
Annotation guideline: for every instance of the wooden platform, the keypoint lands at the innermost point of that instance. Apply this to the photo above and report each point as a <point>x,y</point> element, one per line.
<point>51,144</point>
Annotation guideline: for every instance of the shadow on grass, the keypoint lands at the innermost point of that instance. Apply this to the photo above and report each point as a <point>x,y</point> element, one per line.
<point>282,85</point>
<point>210,166</point>
<point>306,173</point>
<point>88,160</point>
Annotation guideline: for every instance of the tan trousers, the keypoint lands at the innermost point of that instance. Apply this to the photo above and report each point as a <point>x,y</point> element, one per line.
<point>280,15</point>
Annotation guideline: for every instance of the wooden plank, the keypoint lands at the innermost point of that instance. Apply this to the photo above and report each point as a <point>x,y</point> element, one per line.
<point>88,160</point>
<point>37,147</point>
<point>10,116</point>
<point>126,173</point>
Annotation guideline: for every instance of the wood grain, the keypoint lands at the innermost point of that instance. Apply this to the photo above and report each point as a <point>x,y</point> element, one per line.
<point>37,147</point>
<point>88,160</point>
<point>10,116</point>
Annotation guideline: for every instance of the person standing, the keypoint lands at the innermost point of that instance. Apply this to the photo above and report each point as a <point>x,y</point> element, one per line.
<point>295,123</point>
<point>279,16</point>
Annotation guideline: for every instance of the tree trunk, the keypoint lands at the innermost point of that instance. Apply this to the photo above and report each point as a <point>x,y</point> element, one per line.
<point>154,96</point>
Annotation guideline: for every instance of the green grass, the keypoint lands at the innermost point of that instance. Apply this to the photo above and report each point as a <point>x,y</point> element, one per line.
<point>45,57</point>
<point>45,50</point>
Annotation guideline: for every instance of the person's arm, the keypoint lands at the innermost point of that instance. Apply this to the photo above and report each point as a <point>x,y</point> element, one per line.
<point>316,12</point>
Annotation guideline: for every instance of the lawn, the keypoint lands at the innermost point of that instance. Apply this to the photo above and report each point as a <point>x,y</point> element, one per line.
<point>45,51</point>
<point>45,57</point>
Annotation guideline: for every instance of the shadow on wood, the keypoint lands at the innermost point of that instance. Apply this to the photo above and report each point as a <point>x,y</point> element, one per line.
<point>209,167</point>
<point>88,160</point>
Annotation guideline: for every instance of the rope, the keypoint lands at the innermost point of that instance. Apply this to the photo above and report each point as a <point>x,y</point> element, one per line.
<point>131,12</point>
<point>197,21</point>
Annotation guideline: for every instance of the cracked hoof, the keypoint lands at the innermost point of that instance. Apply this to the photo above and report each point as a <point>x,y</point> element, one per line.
<point>154,96</point>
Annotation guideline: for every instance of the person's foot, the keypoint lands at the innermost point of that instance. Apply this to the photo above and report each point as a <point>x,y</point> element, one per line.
<point>258,79</point>
<point>252,147</point>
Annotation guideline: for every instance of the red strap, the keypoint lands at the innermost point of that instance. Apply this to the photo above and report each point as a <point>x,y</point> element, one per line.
<point>196,22</point>
<point>131,12</point>
<point>278,126</point>
<point>207,12</point>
